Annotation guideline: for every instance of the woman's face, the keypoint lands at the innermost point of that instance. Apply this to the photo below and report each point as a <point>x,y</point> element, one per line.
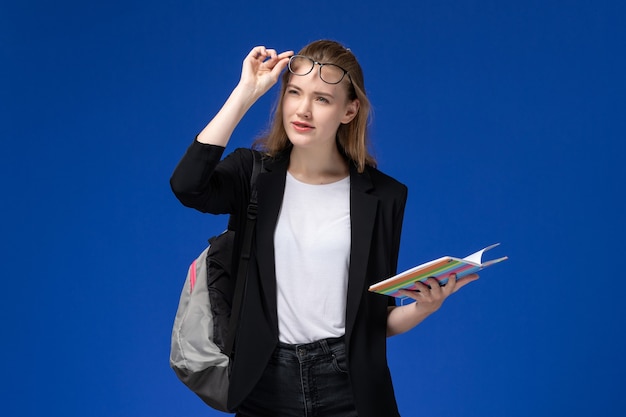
<point>313,109</point>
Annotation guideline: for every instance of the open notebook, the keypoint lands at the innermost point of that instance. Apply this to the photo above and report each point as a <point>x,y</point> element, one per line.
<point>439,269</point>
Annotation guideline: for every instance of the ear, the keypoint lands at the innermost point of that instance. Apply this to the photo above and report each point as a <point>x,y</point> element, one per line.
<point>352,109</point>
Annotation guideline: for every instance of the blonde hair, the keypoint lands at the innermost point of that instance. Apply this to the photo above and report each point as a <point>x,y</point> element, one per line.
<point>352,138</point>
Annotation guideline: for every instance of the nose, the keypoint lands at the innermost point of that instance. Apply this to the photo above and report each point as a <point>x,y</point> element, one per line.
<point>304,109</point>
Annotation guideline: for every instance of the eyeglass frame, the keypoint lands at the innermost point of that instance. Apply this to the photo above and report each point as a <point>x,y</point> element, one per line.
<point>321,64</point>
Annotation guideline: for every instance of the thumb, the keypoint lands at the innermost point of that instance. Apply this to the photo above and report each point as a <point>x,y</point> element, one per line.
<point>464,281</point>
<point>279,67</point>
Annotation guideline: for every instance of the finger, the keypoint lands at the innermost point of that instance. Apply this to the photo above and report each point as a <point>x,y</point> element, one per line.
<point>273,57</point>
<point>434,284</point>
<point>422,286</point>
<point>410,294</point>
<point>258,52</point>
<point>464,281</point>
<point>450,283</point>
<point>286,54</point>
<point>441,290</point>
<point>271,53</point>
<point>254,52</point>
<point>279,67</point>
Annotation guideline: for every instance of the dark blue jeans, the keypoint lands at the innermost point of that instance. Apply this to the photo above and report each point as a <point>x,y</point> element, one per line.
<point>303,381</point>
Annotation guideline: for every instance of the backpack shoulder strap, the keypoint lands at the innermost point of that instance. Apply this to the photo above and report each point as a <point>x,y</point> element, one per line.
<point>246,249</point>
<point>257,167</point>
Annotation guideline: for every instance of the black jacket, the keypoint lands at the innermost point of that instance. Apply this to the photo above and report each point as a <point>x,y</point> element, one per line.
<point>377,204</point>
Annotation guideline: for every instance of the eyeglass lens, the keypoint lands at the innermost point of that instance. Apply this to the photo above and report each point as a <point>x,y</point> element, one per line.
<point>329,73</point>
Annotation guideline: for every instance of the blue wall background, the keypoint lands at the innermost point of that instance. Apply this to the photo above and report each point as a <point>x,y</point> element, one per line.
<point>505,119</point>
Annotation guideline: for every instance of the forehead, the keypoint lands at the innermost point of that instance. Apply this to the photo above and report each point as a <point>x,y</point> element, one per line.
<point>313,83</point>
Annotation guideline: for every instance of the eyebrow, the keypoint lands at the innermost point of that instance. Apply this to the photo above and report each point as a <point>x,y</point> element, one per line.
<point>317,93</point>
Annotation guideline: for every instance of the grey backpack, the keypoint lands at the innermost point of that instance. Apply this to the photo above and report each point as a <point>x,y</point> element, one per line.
<point>204,328</point>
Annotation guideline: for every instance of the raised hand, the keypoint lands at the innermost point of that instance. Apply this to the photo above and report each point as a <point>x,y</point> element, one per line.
<point>261,69</point>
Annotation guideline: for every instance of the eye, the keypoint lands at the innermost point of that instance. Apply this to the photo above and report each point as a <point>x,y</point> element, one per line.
<point>292,91</point>
<point>323,100</point>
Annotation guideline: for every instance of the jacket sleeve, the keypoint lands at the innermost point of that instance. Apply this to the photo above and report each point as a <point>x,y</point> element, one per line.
<point>203,181</point>
<point>398,219</point>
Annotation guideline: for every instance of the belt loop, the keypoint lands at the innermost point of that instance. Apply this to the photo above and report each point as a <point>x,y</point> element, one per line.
<point>324,345</point>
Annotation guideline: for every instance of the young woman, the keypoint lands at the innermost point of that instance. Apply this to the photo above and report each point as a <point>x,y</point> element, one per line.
<point>311,339</point>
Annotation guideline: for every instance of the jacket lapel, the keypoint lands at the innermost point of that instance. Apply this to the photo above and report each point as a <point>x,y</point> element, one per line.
<point>363,207</point>
<point>271,186</point>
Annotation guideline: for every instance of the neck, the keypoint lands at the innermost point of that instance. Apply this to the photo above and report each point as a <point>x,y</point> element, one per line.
<point>316,166</point>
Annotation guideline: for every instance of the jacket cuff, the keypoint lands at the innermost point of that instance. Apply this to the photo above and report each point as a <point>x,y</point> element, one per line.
<point>204,151</point>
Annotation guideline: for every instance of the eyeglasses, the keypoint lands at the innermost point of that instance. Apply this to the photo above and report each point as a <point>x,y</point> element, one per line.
<point>329,73</point>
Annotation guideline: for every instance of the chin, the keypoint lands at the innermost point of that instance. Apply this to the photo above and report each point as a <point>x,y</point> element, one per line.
<point>298,139</point>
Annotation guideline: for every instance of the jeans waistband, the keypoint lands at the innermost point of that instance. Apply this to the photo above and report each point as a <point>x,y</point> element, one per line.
<point>331,342</point>
<point>323,346</point>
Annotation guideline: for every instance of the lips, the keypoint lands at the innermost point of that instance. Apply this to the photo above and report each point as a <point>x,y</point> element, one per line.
<point>301,126</point>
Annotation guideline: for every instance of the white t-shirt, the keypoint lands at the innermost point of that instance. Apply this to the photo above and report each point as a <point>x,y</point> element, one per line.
<point>312,250</point>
